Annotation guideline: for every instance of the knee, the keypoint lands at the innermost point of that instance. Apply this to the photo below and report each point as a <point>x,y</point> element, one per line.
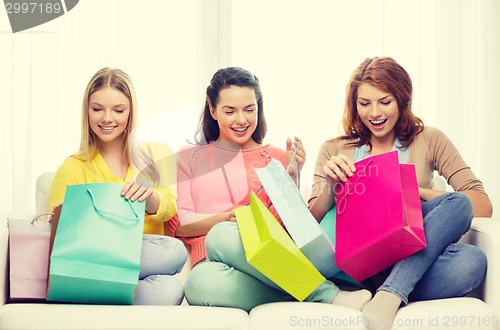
<point>469,267</point>
<point>462,202</point>
<point>179,250</point>
<point>175,245</point>
<point>222,240</point>
<point>203,285</point>
<point>159,290</point>
<point>219,233</point>
<point>163,254</point>
<point>477,264</point>
<point>462,207</point>
<point>162,243</point>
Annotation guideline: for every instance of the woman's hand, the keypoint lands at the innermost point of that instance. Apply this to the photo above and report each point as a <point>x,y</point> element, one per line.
<point>232,216</point>
<point>300,155</point>
<point>338,168</point>
<point>142,190</point>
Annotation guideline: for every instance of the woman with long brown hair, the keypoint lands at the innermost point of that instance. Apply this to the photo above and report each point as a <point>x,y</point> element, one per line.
<point>378,118</point>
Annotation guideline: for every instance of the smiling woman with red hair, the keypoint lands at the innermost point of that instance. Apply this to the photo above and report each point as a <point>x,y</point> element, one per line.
<point>378,118</point>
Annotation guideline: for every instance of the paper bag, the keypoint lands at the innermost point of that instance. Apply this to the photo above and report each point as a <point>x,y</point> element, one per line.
<point>299,222</point>
<point>379,216</point>
<point>97,246</point>
<point>271,251</point>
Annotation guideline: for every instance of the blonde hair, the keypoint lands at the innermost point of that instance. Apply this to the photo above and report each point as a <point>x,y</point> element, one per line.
<point>90,143</point>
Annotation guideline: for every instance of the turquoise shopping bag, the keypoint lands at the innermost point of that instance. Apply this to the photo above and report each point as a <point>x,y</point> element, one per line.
<point>97,246</point>
<point>328,223</point>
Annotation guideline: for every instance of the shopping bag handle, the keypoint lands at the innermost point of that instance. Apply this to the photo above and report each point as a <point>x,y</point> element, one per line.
<point>342,203</point>
<point>102,212</point>
<point>38,216</point>
<point>296,173</point>
<point>296,169</point>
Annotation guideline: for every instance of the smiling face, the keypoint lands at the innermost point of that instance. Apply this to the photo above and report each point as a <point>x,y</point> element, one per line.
<point>236,114</point>
<point>109,111</point>
<point>379,111</point>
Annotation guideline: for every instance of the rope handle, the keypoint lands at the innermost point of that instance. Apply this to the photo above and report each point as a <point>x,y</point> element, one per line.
<point>342,203</point>
<point>296,172</point>
<point>109,214</point>
<point>38,216</point>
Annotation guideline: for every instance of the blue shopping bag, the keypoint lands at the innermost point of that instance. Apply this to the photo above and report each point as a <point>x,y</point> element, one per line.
<point>328,223</point>
<point>97,246</point>
<point>298,220</point>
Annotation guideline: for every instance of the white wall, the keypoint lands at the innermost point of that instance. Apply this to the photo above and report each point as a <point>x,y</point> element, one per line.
<point>44,72</point>
<point>303,52</point>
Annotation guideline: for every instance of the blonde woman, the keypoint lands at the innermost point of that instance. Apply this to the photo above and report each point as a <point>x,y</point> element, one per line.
<point>108,153</point>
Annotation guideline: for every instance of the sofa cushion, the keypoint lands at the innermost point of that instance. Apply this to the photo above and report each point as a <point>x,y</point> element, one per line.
<point>453,313</point>
<point>59,317</point>
<point>456,313</point>
<point>304,315</point>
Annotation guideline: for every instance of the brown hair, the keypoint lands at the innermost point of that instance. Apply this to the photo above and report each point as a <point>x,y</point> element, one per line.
<point>385,74</point>
<point>208,129</point>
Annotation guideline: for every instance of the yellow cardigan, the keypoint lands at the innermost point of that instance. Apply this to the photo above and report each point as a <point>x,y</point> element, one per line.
<point>76,170</point>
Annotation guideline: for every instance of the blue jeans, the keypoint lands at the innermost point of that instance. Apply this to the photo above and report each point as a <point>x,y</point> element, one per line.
<point>445,268</point>
<point>161,258</point>
<point>226,279</point>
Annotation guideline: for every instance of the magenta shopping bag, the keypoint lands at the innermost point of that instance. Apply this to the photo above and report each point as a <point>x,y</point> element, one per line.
<point>28,258</point>
<point>379,216</point>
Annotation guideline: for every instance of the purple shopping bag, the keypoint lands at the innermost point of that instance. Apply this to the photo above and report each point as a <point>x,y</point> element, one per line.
<point>379,216</point>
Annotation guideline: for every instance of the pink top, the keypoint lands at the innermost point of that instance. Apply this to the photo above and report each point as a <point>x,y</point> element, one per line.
<point>212,179</point>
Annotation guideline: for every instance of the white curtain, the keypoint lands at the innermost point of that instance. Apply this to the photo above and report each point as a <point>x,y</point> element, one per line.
<point>44,72</point>
<point>303,52</point>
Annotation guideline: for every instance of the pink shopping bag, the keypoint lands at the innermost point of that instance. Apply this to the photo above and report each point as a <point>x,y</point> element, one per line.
<point>379,216</point>
<point>28,258</point>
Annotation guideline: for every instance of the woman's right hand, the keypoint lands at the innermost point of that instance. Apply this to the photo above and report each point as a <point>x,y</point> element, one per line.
<point>338,168</point>
<point>231,216</point>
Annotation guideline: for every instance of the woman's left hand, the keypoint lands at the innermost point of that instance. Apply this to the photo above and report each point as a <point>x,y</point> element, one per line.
<point>142,190</point>
<point>137,189</point>
<point>300,156</point>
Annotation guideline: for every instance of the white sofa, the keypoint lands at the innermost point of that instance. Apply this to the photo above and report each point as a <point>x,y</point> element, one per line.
<point>477,311</point>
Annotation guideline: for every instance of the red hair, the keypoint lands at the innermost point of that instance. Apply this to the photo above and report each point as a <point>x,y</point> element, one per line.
<point>385,74</point>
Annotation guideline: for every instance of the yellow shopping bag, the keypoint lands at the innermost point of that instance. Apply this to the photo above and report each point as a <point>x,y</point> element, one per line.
<point>271,251</point>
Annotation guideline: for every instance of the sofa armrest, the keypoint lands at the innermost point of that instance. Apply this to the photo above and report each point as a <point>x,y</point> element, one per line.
<point>4,251</point>
<point>484,234</point>
<point>4,248</point>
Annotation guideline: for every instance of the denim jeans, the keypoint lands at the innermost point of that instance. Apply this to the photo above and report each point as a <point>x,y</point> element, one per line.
<point>226,279</point>
<point>161,258</point>
<point>445,268</point>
